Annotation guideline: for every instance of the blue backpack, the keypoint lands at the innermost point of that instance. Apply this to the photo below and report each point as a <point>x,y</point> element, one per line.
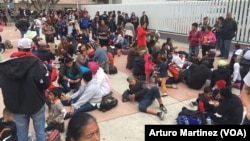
<point>84,23</point>
<point>190,117</point>
<point>188,120</point>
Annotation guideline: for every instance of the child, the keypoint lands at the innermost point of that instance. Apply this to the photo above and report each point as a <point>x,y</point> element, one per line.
<point>55,119</point>
<point>8,124</point>
<point>203,101</point>
<point>149,68</point>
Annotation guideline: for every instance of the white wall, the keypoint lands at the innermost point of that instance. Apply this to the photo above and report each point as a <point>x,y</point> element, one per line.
<point>177,16</point>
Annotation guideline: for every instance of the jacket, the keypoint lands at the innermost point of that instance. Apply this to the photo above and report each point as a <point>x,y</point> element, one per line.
<point>141,37</point>
<point>194,38</point>
<point>139,90</point>
<point>24,79</point>
<point>221,74</point>
<point>208,38</point>
<point>229,27</point>
<point>203,104</point>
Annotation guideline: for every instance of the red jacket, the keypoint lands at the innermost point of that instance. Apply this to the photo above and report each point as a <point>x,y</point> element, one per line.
<point>141,37</point>
<point>194,38</point>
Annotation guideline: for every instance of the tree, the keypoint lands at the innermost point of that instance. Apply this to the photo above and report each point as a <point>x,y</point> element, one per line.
<point>37,4</point>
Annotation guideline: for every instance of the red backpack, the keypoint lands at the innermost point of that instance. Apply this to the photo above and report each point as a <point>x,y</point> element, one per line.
<point>174,71</point>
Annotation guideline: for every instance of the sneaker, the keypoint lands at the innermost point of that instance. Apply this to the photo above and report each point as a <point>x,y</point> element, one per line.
<point>174,86</point>
<point>163,108</point>
<point>193,103</point>
<point>161,115</point>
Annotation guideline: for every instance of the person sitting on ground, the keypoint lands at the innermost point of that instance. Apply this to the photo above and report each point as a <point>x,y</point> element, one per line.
<point>101,58</point>
<point>132,53</point>
<point>145,97</point>
<point>204,101</point>
<point>138,65</point>
<point>230,109</point>
<point>55,119</point>
<point>7,121</point>
<point>118,43</point>
<point>221,73</point>
<point>63,49</point>
<point>220,84</point>
<point>102,80</point>
<point>87,98</point>
<point>110,56</point>
<point>69,76</point>
<point>82,58</point>
<point>83,127</point>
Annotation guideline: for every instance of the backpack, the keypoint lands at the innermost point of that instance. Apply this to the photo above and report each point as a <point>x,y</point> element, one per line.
<point>108,102</point>
<point>174,71</point>
<point>113,69</point>
<point>8,44</point>
<point>8,131</point>
<point>84,23</point>
<point>190,117</point>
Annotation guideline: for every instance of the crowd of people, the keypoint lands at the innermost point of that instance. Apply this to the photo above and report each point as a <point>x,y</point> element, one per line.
<point>85,56</point>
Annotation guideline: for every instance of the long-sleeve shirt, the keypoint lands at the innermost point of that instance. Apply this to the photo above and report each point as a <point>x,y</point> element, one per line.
<point>236,73</point>
<point>57,112</point>
<point>208,38</point>
<point>194,38</point>
<point>103,82</point>
<point>87,93</point>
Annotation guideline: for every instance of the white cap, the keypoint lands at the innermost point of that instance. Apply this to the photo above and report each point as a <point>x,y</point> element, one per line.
<point>24,43</point>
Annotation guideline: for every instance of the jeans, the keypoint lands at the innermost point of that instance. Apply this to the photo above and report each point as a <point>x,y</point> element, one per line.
<point>225,46</point>
<point>149,98</point>
<point>37,31</point>
<point>193,49</point>
<point>83,108</point>
<point>22,33</point>
<point>22,123</point>
<point>66,88</point>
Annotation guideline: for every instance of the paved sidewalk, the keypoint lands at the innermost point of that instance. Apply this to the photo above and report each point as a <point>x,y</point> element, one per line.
<point>129,127</point>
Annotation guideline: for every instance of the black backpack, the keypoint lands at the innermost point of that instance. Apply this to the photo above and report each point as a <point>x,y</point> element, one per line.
<point>108,102</point>
<point>8,131</point>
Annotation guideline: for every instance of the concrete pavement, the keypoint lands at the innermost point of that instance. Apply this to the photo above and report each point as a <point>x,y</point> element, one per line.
<point>129,127</point>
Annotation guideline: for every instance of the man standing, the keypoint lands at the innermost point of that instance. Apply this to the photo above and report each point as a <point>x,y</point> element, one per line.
<point>194,39</point>
<point>30,78</point>
<point>229,28</point>
<point>144,19</point>
<point>22,25</point>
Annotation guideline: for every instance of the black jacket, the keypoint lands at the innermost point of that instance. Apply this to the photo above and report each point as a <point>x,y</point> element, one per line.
<point>229,27</point>
<point>221,74</point>
<point>44,54</point>
<point>23,81</point>
<point>22,25</point>
<point>139,90</point>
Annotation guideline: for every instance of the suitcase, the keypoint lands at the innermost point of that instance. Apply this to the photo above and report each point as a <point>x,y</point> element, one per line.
<point>53,135</point>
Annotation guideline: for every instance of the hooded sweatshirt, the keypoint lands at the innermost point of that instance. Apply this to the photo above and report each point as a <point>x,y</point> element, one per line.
<point>24,79</point>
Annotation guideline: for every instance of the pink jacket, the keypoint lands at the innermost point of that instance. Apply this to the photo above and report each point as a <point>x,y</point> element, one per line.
<point>208,38</point>
<point>148,67</point>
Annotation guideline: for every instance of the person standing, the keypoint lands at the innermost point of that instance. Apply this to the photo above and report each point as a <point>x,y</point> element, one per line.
<point>30,78</point>
<point>194,39</point>
<point>144,19</point>
<point>22,25</point>
<point>142,36</point>
<point>228,31</point>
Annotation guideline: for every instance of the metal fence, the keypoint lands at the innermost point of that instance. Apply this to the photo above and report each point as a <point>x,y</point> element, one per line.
<point>177,16</point>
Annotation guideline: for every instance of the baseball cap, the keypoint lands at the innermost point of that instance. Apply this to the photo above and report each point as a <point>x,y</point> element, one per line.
<point>222,63</point>
<point>24,43</point>
<point>221,84</point>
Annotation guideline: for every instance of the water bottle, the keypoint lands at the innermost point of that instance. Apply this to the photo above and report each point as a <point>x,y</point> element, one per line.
<point>209,121</point>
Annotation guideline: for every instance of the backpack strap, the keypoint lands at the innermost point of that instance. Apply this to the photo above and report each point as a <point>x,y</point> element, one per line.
<point>5,129</point>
